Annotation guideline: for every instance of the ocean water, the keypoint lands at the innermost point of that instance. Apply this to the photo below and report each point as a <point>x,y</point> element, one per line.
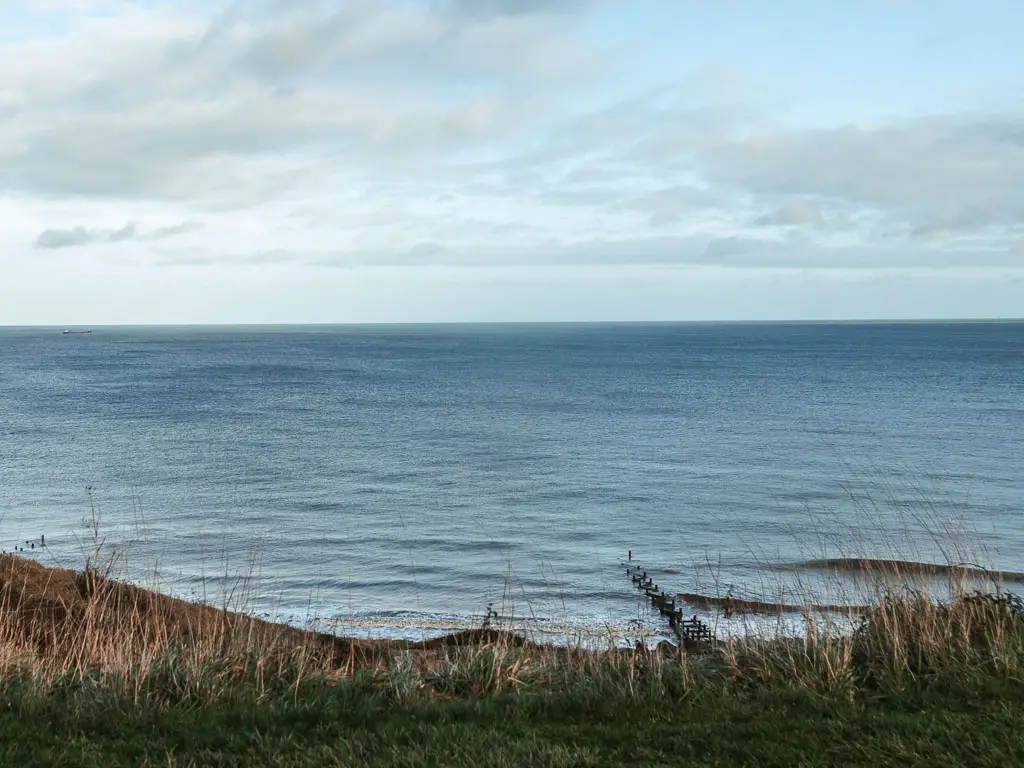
<point>399,479</point>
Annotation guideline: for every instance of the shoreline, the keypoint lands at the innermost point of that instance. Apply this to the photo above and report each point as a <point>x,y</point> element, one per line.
<point>92,666</point>
<point>61,594</point>
<point>45,606</point>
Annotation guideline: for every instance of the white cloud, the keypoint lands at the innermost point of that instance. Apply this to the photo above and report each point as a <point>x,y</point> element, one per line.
<point>793,213</point>
<point>66,238</point>
<point>475,8</point>
<point>50,239</point>
<point>448,134</point>
<point>157,104</point>
<point>955,173</point>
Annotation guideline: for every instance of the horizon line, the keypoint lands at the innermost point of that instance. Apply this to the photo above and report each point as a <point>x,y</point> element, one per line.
<point>406,323</point>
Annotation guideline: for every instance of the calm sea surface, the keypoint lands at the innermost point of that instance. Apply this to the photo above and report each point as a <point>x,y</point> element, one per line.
<point>398,479</point>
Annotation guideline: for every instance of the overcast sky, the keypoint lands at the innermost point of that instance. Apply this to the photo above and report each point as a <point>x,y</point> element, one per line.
<point>195,161</point>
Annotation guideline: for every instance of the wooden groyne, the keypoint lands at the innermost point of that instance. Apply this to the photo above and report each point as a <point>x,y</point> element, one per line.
<point>691,632</point>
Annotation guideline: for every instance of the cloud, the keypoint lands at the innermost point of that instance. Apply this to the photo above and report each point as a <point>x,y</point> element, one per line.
<point>161,233</point>
<point>693,251</point>
<point>274,256</point>
<point>127,232</point>
<point>478,8</point>
<point>670,205</point>
<point>51,239</point>
<point>64,238</point>
<point>792,213</point>
<point>467,132</point>
<point>949,173</point>
<point>952,177</point>
<point>158,104</point>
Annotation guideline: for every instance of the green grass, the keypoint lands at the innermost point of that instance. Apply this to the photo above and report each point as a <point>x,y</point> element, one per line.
<point>357,724</point>
<point>113,676</point>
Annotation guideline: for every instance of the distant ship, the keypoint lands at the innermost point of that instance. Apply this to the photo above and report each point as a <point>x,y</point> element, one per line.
<point>66,332</point>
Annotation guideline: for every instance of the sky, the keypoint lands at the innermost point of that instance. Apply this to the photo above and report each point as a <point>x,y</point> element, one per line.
<point>345,161</point>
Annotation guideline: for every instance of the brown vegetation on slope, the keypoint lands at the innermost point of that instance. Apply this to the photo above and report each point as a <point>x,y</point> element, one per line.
<point>84,618</point>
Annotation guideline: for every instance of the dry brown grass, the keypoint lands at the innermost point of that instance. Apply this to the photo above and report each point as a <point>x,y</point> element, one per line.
<point>60,627</point>
<point>906,638</point>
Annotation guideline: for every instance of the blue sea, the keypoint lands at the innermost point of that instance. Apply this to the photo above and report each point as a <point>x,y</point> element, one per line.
<point>400,479</point>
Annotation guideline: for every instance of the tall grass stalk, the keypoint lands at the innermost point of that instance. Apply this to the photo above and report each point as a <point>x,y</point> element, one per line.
<point>63,633</point>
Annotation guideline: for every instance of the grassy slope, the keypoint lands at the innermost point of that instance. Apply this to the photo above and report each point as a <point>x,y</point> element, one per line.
<point>93,673</point>
<point>352,725</point>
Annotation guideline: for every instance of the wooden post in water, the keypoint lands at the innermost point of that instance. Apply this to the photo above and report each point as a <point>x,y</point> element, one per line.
<point>690,632</point>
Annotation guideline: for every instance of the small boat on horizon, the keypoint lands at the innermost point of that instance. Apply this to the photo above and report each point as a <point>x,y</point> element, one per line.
<point>75,333</point>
